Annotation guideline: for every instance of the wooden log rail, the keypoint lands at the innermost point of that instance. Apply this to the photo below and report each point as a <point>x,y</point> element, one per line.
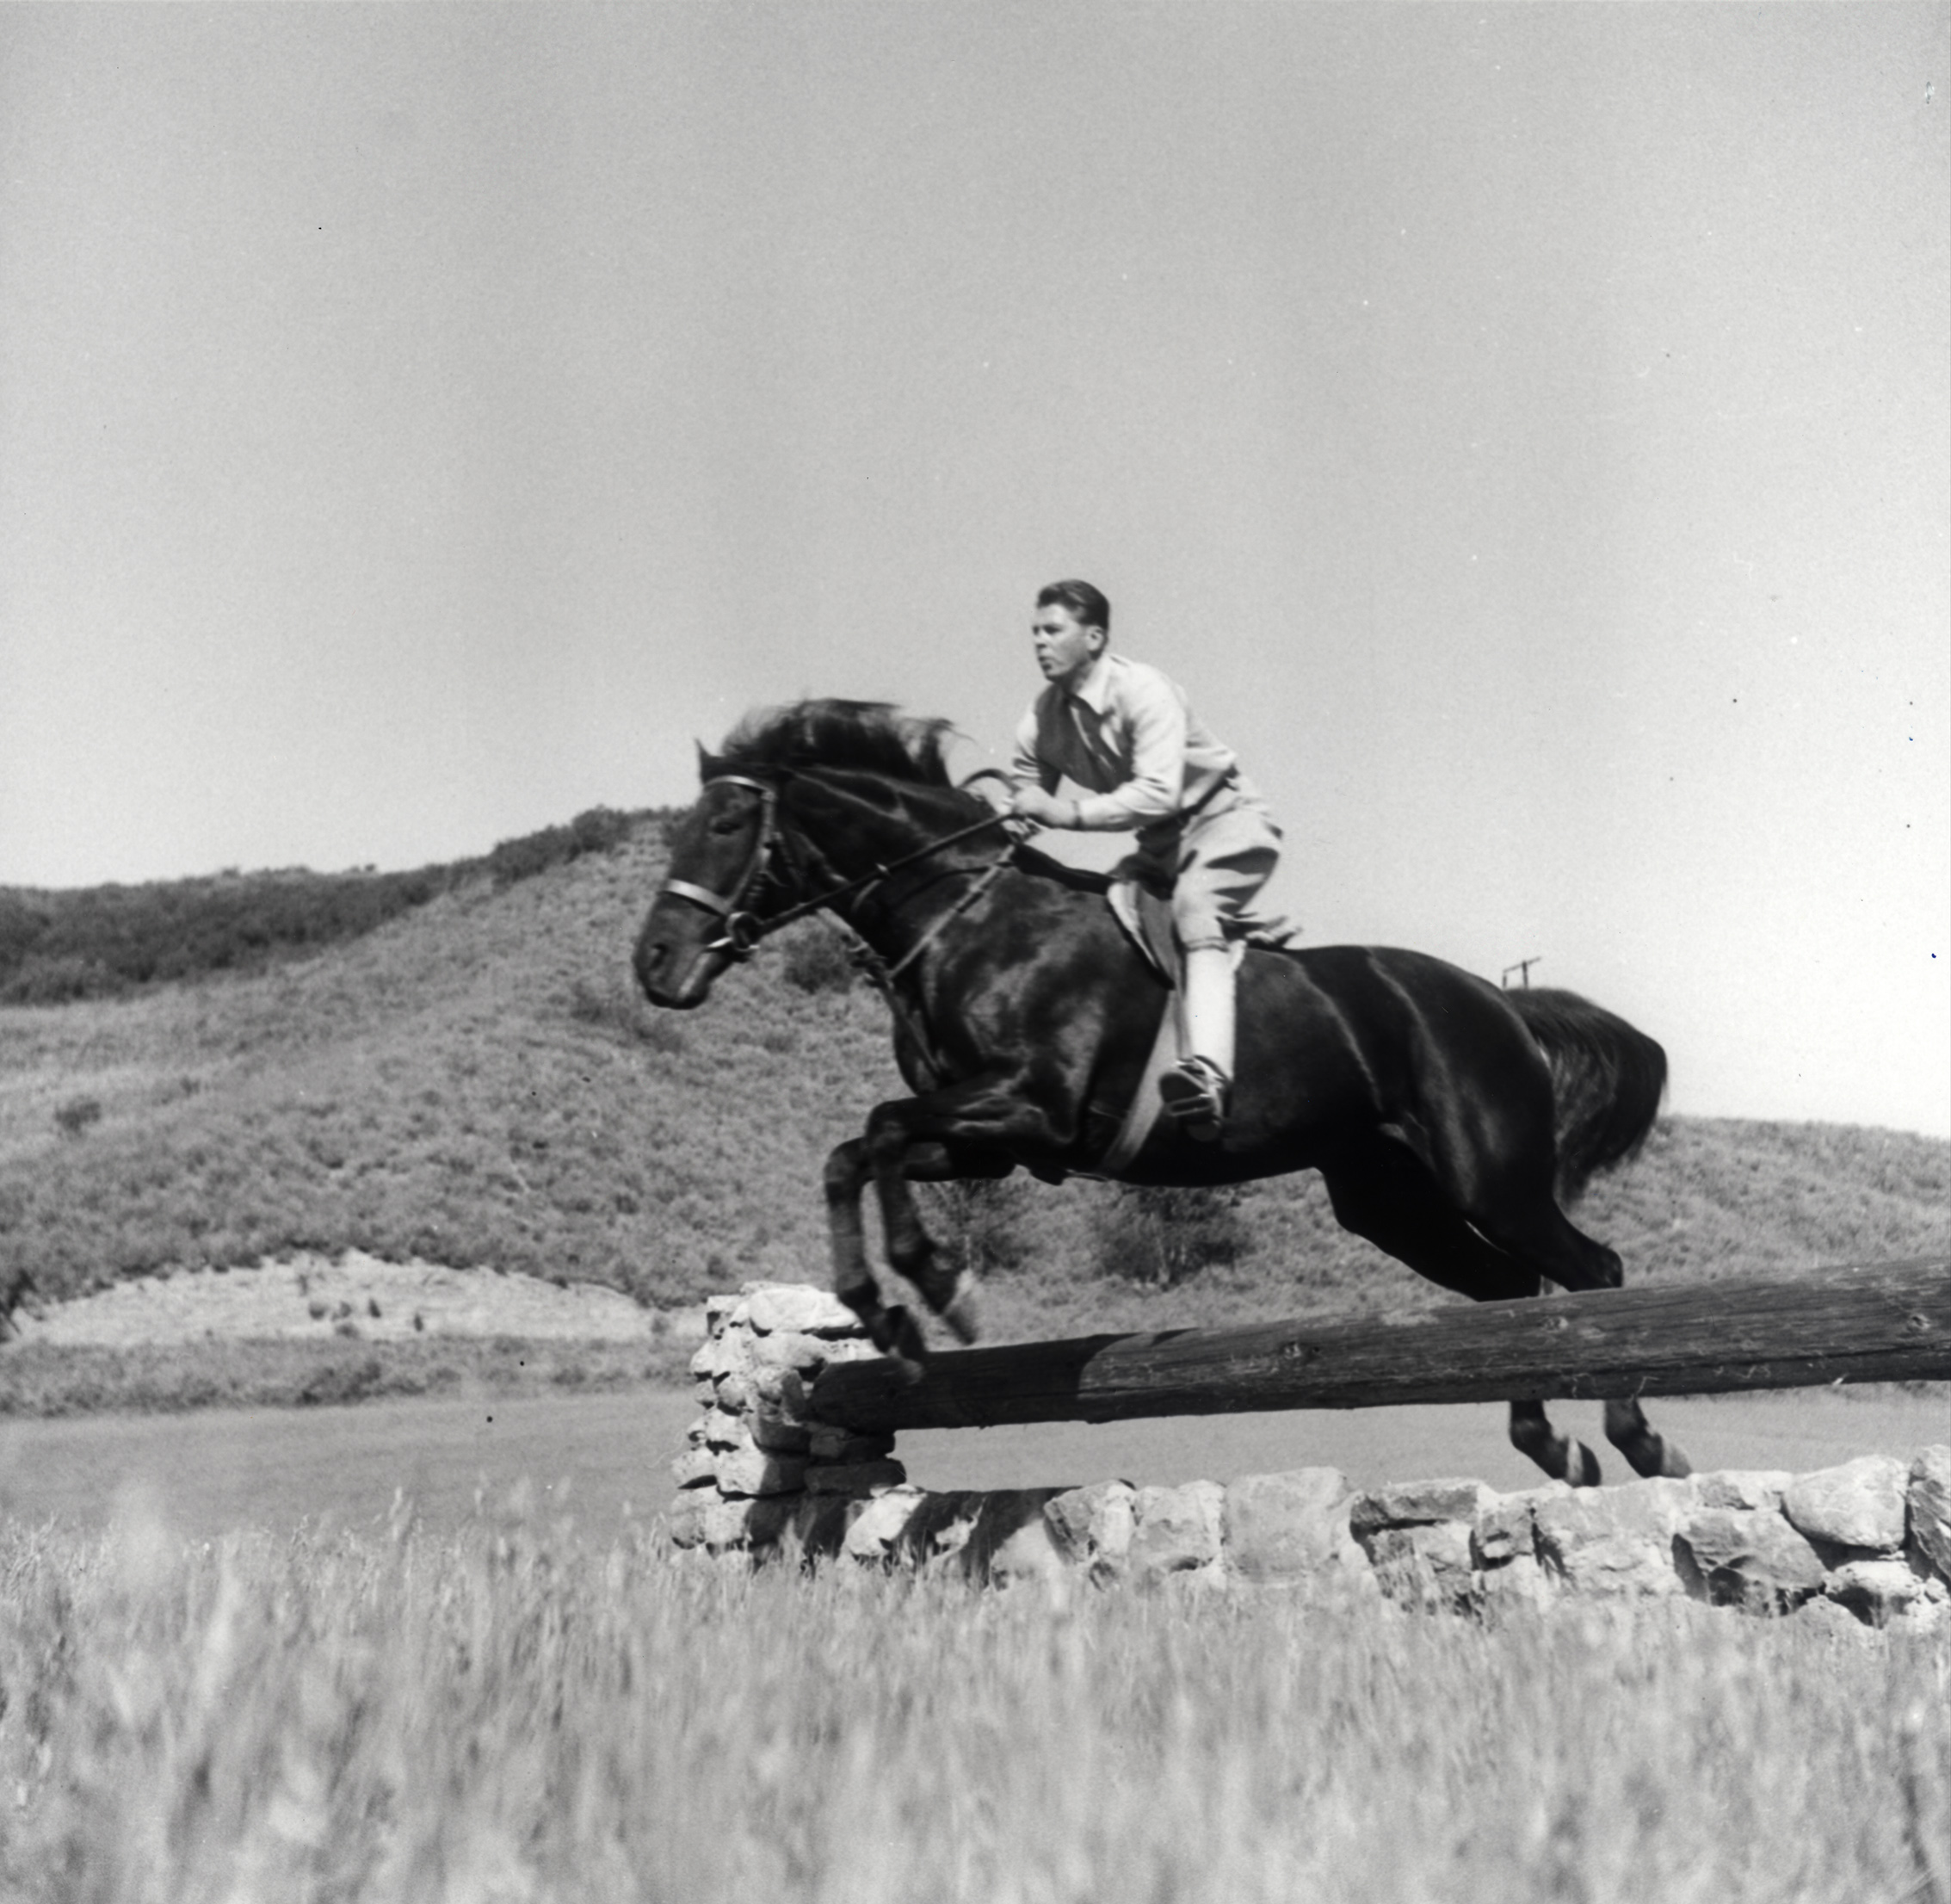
<point>1879,1322</point>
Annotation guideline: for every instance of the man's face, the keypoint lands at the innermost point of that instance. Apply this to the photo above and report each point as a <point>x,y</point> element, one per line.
<point>1065,647</point>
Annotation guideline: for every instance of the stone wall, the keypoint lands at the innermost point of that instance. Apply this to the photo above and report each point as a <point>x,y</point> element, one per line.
<point>1868,1541</point>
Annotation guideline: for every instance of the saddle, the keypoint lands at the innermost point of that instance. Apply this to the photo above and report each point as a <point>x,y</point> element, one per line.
<point>1145,913</point>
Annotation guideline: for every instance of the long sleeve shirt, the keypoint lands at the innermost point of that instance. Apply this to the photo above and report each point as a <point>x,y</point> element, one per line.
<point>1127,735</point>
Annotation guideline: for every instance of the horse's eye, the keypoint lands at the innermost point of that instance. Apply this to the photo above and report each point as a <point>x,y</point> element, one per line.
<point>731,823</point>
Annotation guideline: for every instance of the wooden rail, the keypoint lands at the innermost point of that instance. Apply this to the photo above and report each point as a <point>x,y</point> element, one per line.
<point>1879,1322</point>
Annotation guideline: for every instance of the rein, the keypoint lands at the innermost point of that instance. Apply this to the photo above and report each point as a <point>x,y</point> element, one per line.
<point>744,930</point>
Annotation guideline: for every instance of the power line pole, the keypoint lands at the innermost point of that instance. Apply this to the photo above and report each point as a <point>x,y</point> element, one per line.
<point>1523,969</point>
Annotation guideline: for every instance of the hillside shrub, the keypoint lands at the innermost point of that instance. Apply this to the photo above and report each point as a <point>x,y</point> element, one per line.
<point>1159,1236</point>
<point>981,1224</point>
<point>77,1114</point>
<point>597,831</point>
<point>60,979</point>
<point>818,959</point>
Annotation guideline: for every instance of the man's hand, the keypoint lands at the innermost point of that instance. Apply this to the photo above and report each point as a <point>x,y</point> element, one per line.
<point>1032,803</point>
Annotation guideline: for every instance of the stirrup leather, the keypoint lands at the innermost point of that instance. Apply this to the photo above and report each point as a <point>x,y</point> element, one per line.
<point>1195,1093</point>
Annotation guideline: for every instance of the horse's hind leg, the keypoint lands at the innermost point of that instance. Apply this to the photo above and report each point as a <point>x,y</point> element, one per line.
<point>1384,1192</point>
<point>1533,1228</point>
<point>1648,1451</point>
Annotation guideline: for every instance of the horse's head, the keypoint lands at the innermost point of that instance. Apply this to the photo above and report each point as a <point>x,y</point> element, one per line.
<point>702,919</point>
<point>865,784</point>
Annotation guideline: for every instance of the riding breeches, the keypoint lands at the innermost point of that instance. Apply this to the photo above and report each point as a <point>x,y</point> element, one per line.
<point>1217,861</point>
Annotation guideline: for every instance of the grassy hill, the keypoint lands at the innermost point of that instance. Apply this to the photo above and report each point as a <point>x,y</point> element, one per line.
<point>475,1082</point>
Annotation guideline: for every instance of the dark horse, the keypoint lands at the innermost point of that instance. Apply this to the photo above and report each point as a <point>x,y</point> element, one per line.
<point>1446,1117</point>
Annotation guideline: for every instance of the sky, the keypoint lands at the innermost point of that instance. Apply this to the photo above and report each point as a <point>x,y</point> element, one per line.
<point>1525,431</point>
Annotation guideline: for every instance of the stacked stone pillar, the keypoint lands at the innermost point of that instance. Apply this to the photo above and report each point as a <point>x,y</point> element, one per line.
<point>755,1471</point>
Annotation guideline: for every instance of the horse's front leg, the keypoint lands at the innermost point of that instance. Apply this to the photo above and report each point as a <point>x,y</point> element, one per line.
<point>976,1130</point>
<point>892,1330</point>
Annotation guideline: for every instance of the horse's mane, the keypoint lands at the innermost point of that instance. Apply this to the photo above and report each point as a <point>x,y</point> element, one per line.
<point>867,736</point>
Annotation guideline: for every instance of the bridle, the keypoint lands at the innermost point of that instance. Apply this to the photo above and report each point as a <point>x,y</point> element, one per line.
<point>744,928</point>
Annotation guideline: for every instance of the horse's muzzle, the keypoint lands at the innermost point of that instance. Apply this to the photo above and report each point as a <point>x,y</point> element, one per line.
<point>674,974</point>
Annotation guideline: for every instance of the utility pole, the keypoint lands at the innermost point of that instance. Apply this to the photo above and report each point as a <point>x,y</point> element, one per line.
<point>1523,969</point>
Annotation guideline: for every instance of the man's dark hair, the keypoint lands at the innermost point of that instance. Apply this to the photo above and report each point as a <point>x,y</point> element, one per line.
<point>1084,602</point>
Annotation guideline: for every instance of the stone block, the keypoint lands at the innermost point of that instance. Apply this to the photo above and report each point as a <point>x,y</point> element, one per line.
<point>694,1467</point>
<point>1751,1558</point>
<point>941,1524</point>
<point>1928,1495</point>
<point>1521,1583</point>
<point>1028,1553</point>
<point>776,1434</point>
<point>1506,1530</point>
<point>714,1359</point>
<point>782,1390</point>
<point>1427,1564</point>
<point>1177,1528</point>
<point>686,1519</point>
<point>1614,1542</point>
<point>1859,1504</point>
<point>875,1531</point>
<point>758,1525</point>
<point>775,1307</point>
<point>829,1443</point>
<point>737,1393</point>
<point>857,1477</point>
<point>1417,1503</point>
<point>821,1523</point>
<point>752,1471</point>
<point>1093,1526</point>
<point>718,1308</point>
<point>805,1354</point>
<point>1744,1488</point>
<point>1003,1524</point>
<point>1876,1591</point>
<point>1285,1527</point>
<point>724,1430</point>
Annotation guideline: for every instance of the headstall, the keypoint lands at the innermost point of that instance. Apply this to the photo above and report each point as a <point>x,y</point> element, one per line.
<point>744,928</point>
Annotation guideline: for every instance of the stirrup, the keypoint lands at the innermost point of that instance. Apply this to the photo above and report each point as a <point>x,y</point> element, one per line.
<point>1194,1092</point>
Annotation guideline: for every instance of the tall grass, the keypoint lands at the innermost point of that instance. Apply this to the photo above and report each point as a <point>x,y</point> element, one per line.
<point>508,1714</point>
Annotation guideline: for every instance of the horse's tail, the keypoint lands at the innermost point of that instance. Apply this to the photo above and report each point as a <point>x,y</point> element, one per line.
<point>1607,1078</point>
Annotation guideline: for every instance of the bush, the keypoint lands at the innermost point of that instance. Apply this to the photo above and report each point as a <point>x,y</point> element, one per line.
<point>818,959</point>
<point>1161,1237</point>
<point>979,1223</point>
<point>60,979</point>
<point>78,1113</point>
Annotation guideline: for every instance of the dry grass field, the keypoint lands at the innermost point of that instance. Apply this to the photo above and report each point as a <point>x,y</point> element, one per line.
<point>502,1715</point>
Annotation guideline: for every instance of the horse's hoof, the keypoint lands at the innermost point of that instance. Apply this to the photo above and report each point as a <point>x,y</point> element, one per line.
<point>896,1335</point>
<point>964,1312</point>
<point>1582,1466</point>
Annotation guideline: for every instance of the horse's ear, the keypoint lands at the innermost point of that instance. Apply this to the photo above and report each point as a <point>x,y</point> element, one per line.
<point>706,764</point>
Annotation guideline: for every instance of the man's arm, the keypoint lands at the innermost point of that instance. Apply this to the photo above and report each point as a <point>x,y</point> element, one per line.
<point>1028,769</point>
<point>1153,713</point>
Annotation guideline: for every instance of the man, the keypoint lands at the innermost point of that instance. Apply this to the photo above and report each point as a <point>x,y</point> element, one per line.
<point>1124,731</point>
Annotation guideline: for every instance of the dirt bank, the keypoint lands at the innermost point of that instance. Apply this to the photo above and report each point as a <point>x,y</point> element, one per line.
<point>316,1297</point>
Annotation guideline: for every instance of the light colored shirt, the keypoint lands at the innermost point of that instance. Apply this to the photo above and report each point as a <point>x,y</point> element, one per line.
<point>1128,736</point>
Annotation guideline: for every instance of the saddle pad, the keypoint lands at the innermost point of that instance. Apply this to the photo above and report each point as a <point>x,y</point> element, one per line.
<point>1147,920</point>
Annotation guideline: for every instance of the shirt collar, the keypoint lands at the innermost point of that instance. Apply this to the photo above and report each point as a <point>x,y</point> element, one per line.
<point>1095,689</point>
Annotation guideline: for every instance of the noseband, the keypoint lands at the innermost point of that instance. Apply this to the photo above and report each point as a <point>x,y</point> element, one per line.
<point>744,928</point>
